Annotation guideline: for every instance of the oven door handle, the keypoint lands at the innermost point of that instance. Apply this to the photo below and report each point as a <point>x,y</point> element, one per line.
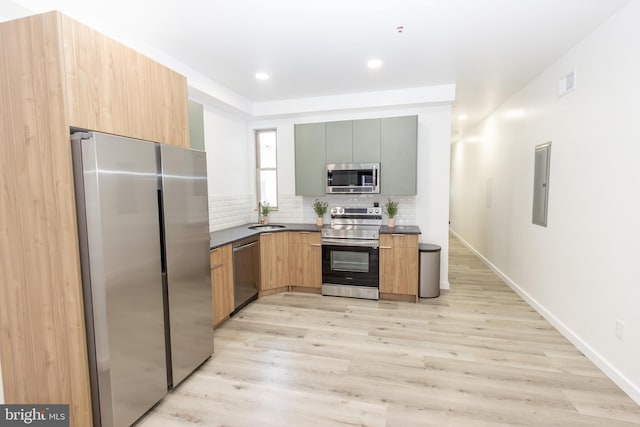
<point>347,242</point>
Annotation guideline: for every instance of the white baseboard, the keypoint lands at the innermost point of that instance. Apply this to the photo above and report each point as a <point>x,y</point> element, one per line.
<point>444,284</point>
<point>609,370</point>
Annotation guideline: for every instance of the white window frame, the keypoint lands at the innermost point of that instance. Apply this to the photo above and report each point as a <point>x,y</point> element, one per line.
<point>259,169</point>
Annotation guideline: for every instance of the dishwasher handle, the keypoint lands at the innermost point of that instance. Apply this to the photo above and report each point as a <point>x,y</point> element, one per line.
<point>245,246</point>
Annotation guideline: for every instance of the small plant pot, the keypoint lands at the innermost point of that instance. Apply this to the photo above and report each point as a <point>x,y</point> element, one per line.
<point>319,221</point>
<point>391,222</point>
<point>265,219</point>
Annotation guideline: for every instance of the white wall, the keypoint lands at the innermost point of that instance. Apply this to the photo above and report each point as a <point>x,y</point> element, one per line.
<point>230,164</point>
<point>429,209</point>
<point>582,271</point>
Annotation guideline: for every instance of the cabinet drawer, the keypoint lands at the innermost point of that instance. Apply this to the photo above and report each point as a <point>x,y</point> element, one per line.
<point>399,240</point>
<point>305,238</point>
<point>216,256</point>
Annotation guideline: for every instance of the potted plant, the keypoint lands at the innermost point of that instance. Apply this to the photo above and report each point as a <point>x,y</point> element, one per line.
<point>265,209</point>
<point>391,210</point>
<point>320,208</point>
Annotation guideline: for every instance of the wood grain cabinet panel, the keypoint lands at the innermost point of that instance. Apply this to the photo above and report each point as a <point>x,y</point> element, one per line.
<point>222,283</point>
<point>274,260</point>
<point>399,264</point>
<point>305,252</point>
<point>114,89</point>
<point>58,74</point>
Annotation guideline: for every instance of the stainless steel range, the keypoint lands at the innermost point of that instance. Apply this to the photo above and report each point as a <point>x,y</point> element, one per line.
<point>350,253</point>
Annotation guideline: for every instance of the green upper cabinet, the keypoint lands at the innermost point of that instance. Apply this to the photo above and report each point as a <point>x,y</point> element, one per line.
<point>310,160</point>
<point>339,137</point>
<point>398,156</point>
<point>196,126</point>
<point>366,141</point>
<point>392,142</point>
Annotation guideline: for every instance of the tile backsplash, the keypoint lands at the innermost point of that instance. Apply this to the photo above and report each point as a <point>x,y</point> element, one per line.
<point>233,210</point>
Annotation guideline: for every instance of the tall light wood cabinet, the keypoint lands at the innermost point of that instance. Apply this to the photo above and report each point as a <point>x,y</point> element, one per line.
<point>305,252</point>
<point>274,260</point>
<point>58,74</point>
<point>111,88</point>
<point>399,264</point>
<point>222,283</point>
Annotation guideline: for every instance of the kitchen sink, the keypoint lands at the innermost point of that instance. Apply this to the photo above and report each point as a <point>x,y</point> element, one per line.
<point>266,227</point>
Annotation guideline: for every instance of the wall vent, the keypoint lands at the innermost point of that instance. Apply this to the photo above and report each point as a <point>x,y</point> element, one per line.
<point>567,83</point>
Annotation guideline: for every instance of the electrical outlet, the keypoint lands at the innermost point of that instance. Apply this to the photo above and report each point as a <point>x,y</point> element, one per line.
<point>620,330</point>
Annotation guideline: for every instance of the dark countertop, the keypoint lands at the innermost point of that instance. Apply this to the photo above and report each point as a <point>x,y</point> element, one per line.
<point>229,235</point>
<point>400,229</point>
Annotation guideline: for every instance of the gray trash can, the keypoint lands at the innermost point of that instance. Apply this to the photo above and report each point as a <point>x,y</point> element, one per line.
<point>429,270</point>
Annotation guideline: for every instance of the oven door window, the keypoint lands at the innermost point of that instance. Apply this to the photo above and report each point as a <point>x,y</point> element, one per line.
<point>350,261</point>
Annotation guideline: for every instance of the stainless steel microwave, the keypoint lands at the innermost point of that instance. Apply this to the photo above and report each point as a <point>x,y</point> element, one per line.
<point>353,178</point>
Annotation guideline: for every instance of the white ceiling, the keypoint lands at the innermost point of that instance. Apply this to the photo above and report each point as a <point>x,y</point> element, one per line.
<point>488,48</point>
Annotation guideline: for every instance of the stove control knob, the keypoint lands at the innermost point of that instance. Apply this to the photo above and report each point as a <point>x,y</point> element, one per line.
<point>340,210</point>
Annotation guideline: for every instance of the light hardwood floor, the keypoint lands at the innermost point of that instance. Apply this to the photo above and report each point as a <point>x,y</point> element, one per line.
<point>476,356</point>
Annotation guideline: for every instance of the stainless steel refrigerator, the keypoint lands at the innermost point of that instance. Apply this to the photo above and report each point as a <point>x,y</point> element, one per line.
<point>144,246</point>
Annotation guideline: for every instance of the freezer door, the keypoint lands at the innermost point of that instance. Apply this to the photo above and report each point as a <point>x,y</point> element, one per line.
<point>118,215</point>
<point>186,227</point>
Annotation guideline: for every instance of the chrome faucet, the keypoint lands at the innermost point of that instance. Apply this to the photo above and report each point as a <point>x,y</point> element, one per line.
<point>259,212</point>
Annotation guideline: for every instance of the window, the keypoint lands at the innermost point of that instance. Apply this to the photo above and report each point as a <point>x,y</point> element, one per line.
<point>267,167</point>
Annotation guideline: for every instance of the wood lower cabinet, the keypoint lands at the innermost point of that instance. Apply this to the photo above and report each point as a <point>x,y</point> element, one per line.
<point>305,251</point>
<point>399,264</point>
<point>274,260</point>
<point>58,74</point>
<point>222,283</point>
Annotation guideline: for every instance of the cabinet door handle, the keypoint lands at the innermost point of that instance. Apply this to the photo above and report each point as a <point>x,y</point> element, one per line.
<point>220,264</point>
<point>215,250</point>
<point>266,234</point>
<point>398,235</point>
<point>385,247</point>
<point>304,232</point>
<point>315,244</point>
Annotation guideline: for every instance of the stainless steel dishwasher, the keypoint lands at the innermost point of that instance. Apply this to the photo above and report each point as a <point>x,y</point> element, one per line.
<point>246,271</point>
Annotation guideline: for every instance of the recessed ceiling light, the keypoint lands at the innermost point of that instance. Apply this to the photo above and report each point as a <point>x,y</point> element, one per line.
<point>374,63</point>
<point>463,117</point>
<point>262,76</point>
